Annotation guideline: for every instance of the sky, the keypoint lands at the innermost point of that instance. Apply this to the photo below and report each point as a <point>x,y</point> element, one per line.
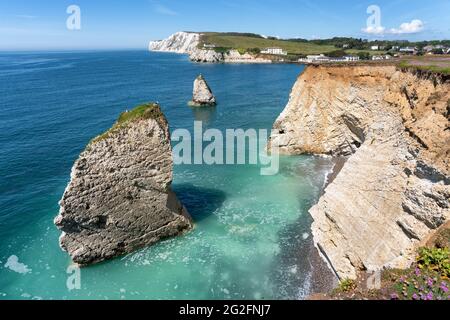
<point>120,24</point>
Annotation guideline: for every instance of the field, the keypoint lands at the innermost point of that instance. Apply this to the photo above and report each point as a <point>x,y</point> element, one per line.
<point>440,63</point>
<point>248,42</point>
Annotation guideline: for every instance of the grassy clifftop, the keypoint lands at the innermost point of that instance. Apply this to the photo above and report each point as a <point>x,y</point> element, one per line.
<point>141,112</point>
<point>251,41</point>
<point>434,64</point>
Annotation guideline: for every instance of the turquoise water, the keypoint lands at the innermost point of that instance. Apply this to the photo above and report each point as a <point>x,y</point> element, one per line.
<point>251,239</point>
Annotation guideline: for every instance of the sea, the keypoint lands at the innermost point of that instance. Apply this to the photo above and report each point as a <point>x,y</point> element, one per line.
<point>252,237</point>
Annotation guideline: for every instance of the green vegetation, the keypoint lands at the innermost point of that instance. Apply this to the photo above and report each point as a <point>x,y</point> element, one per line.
<point>227,41</point>
<point>337,54</point>
<point>429,280</point>
<point>426,279</point>
<point>347,285</point>
<point>426,65</point>
<point>435,259</point>
<point>364,56</point>
<point>249,41</point>
<point>144,111</point>
<point>416,284</point>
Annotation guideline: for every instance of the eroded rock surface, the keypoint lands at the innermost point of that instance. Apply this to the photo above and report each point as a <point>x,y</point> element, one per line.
<point>202,94</point>
<point>393,191</point>
<point>119,198</point>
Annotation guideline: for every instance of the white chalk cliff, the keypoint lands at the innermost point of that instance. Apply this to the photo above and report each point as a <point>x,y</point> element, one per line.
<point>180,42</point>
<point>393,191</point>
<point>189,43</point>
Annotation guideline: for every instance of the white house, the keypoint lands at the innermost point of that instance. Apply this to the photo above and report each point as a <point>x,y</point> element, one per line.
<point>278,51</point>
<point>323,58</point>
<point>351,58</point>
<point>377,48</point>
<point>381,57</point>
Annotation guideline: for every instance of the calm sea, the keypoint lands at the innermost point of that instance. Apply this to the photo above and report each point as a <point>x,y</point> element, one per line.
<point>251,239</point>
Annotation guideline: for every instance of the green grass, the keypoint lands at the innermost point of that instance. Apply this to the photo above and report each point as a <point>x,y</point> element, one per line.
<point>426,67</point>
<point>246,42</point>
<point>225,42</point>
<point>144,111</point>
<point>345,286</point>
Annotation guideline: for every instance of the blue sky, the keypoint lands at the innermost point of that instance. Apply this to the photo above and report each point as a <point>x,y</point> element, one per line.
<point>109,24</point>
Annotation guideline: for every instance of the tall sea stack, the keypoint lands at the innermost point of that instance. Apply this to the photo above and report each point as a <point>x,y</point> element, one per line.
<point>202,94</point>
<point>119,198</point>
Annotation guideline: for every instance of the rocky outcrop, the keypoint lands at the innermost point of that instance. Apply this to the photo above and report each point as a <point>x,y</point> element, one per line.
<point>202,94</point>
<point>393,191</point>
<point>207,56</point>
<point>119,198</point>
<point>189,43</point>
<point>231,56</point>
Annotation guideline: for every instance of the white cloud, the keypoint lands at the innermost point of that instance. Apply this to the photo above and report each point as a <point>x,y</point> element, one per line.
<point>374,30</point>
<point>159,8</point>
<point>414,26</point>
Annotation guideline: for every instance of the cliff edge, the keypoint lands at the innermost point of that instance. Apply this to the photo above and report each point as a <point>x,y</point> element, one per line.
<point>393,191</point>
<point>119,197</point>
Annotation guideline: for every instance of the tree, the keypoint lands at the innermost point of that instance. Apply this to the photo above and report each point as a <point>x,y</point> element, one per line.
<point>337,54</point>
<point>364,55</point>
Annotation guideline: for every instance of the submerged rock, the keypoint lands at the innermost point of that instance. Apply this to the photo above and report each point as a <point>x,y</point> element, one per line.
<point>202,95</point>
<point>119,198</point>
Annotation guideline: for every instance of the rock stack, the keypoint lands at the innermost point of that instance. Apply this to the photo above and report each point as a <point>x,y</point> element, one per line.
<point>202,94</point>
<point>119,198</point>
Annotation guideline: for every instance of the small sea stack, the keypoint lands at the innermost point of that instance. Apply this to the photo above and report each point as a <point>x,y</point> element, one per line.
<point>202,95</point>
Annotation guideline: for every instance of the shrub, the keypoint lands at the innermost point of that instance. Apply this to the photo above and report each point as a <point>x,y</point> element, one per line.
<point>436,259</point>
<point>347,285</point>
<point>421,285</point>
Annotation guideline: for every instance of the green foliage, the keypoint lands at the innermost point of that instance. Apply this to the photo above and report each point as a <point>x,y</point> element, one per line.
<point>364,55</point>
<point>303,46</point>
<point>427,65</point>
<point>144,111</point>
<point>421,285</point>
<point>337,54</point>
<point>242,51</point>
<point>254,50</point>
<point>222,49</point>
<point>436,259</point>
<point>347,285</point>
<point>225,40</point>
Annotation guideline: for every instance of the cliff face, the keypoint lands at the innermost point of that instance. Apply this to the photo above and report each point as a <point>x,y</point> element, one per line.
<point>232,56</point>
<point>119,197</point>
<point>393,191</point>
<point>180,42</point>
<point>188,43</point>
